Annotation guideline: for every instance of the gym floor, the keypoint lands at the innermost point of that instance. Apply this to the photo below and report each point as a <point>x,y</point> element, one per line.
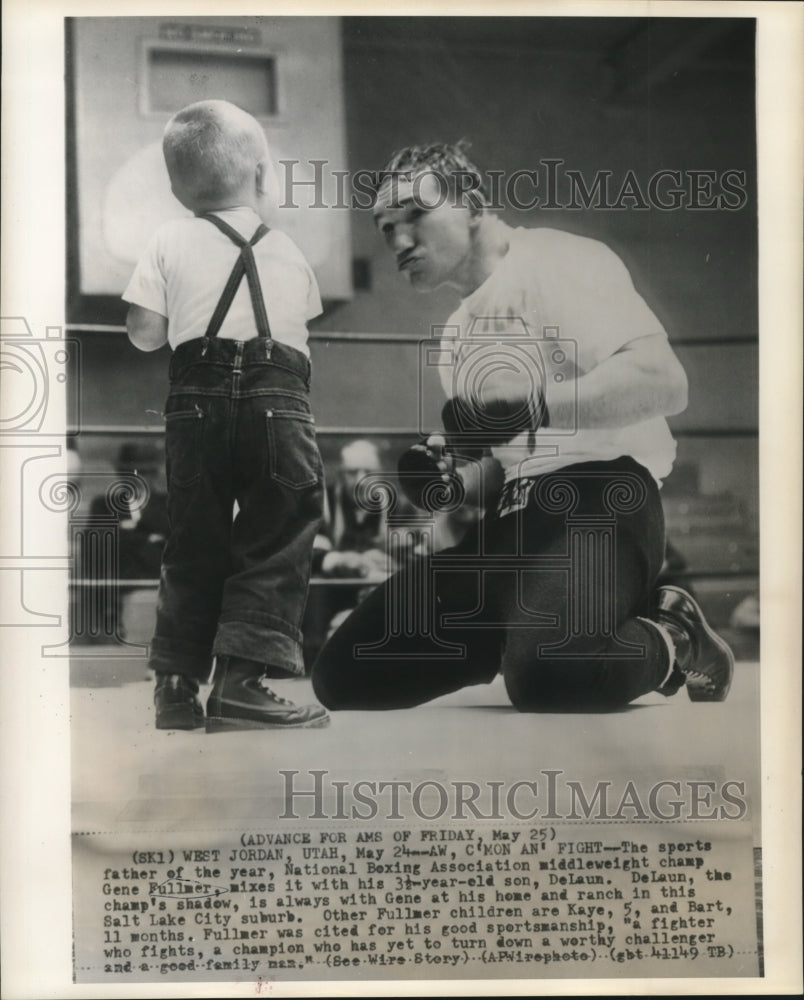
<point>126,773</point>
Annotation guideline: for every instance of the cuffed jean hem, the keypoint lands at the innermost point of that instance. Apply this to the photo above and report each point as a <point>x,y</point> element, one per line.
<point>171,657</point>
<point>260,643</point>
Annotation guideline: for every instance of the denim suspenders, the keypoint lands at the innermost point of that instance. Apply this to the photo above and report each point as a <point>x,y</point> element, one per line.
<point>244,265</point>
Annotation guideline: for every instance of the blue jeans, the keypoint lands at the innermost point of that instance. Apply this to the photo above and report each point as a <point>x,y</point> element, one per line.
<point>238,430</point>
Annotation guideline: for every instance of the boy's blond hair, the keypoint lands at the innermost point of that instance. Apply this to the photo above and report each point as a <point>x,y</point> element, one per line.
<point>211,150</point>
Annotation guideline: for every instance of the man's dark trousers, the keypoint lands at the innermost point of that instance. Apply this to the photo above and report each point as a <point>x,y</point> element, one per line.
<point>547,590</point>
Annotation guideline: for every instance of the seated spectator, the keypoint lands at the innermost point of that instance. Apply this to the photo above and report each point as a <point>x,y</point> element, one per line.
<point>353,541</point>
<point>142,531</point>
<point>109,544</point>
<point>352,544</point>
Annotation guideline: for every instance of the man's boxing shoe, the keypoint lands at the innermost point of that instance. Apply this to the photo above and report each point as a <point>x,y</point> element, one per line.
<point>176,702</point>
<point>240,699</point>
<point>702,656</point>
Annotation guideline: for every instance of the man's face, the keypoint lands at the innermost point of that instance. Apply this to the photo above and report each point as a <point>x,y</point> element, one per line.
<point>351,478</point>
<point>429,235</point>
<point>358,461</point>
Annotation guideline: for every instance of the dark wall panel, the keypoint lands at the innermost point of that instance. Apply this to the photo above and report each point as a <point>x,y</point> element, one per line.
<point>614,95</point>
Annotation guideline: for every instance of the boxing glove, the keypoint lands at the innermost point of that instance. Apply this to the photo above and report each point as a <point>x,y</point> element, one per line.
<point>474,426</point>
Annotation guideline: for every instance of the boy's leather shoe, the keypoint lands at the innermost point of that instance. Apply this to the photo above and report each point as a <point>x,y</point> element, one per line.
<point>240,699</point>
<point>702,656</point>
<point>176,702</point>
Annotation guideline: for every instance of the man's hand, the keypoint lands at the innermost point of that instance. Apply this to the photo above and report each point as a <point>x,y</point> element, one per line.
<point>371,565</point>
<point>424,465</point>
<point>430,457</point>
<point>436,449</point>
<point>343,564</point>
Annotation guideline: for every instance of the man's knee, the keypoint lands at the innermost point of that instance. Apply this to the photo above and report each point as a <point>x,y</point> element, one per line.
<point>541,687</point>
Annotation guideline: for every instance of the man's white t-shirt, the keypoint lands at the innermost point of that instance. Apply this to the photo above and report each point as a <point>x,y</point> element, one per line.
<point>187,263</point>
<point>555,307</point>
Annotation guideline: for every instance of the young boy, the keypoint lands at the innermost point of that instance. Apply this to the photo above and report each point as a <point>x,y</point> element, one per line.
<point>238,430</point>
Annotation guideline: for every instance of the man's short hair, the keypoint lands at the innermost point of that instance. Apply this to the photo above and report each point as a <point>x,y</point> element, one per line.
<point>212,148</point>
<point>360,454</point>
<point>448,161</point>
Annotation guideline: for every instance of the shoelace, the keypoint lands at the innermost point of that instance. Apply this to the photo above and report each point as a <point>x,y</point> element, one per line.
<point>277,698</point>
<point>178,682</point>
<point>701,680</point>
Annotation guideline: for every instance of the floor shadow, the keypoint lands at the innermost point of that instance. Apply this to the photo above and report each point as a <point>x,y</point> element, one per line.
<point>108,672</point>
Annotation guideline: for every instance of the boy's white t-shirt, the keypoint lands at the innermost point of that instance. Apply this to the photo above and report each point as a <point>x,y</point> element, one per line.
<point>187,263</point>
<point>558,305</point>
